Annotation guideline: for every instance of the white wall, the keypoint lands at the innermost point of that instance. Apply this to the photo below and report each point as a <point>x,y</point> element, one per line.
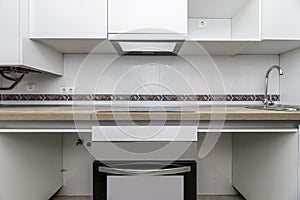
<point>290,89</point>
<point>197,74</point>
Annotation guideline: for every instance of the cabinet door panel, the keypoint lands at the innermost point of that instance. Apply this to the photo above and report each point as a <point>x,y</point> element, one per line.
<point>9,34</point>
<point>68,19</point>
<point>133,15</point>
<point>280,19</point>
<point>31,165</point>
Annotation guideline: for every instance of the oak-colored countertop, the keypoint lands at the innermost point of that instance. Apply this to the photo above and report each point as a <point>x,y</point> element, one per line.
<point>203,113</point>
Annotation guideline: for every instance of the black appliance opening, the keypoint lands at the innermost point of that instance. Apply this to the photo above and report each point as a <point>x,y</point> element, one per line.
<point>103,170</point>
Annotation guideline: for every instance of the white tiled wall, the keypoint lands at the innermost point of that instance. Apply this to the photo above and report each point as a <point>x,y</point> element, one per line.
<point>290,63</point>
<point>168,75</point>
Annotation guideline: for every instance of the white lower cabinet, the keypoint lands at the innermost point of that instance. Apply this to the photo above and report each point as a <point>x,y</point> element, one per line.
<point>31,165</point>
<point>265,165</point>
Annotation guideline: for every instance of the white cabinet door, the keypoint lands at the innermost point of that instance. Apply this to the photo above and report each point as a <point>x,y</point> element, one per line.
<point>265,165</point>
<point>126,16</point>
<point>31,165</point>
<point>9,34</point>
<point>68,19</point>
<point>281,19</point>
<point>16,49</point>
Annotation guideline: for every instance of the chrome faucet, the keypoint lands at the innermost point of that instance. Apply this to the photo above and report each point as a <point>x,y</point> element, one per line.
<point>267,102</point>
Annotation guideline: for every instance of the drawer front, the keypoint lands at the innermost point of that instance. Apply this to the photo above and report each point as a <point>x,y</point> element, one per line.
<point>144,133</point>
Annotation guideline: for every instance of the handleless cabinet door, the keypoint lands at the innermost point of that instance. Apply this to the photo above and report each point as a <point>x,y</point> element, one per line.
<point>9,34</point>
<point>16,49</point>
<point>68,19</point>
<point>130,16</point>
<point>280,19</point>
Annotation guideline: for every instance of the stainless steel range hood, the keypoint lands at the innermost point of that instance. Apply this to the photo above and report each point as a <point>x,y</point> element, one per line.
<point>147,44</point>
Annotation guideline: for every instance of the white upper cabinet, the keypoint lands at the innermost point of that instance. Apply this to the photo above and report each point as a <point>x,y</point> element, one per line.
<point>244,19</point>
<point>222,27</point>
<point>74,19</point>
<point>231,27</point>
<point>9,34</point>
<point>16,49</point>
<point>144,16</point>
<point>226,20</point>
<point>281,19</point>
<point>280,28</point>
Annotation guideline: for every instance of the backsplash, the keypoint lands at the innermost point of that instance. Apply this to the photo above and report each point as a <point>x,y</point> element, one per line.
<point>135,97</point>
<point>109,78</point>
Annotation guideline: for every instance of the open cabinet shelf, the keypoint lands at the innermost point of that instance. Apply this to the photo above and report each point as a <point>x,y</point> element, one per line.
<point>236,27</point>
<point>235,20</point>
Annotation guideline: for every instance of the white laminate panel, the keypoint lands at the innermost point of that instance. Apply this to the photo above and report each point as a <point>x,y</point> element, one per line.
<point>9,34</point>
<point>215,8</point>
<point>68,19</point>
<point>213,28</point>
<point>265,165</point>
<point>34,54</point>
<point>144,133</point>
<point>31,165</point>
<point>246,23</point>
<point>157,16</point>
<point>280,19</point>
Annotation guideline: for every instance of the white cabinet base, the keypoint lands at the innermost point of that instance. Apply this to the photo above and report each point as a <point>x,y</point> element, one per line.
<point>265,165</point>
<point>30,165</point>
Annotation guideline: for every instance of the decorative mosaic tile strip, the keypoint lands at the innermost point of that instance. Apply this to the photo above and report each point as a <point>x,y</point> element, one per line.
<point>134,97</point>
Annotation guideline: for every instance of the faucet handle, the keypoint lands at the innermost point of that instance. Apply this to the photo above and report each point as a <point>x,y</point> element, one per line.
<point>268,101</point>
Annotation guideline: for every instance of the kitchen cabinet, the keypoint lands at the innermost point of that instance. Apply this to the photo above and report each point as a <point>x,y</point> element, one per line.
<point>230,28</point>
<point>143,16</point>
<point>16,49</point>
<point>280,19</point>
<point>280,28</point>
<point>265,149</point>
<point>66,19</point>
<point>265,165</point>
<point>31,165</point>
<point>243,27</point>
<point>230,20</point>
<point>226,29</point>
<point>70,26</point>
<point>244,20</point>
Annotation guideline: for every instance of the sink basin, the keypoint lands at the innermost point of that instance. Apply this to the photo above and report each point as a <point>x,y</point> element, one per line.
<point>278,107</point>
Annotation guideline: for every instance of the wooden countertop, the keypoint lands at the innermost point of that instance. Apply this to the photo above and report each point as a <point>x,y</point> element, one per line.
<point>203,113</point>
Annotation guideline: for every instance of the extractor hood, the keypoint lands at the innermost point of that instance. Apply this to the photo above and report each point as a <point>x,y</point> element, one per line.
<point>147,44</point>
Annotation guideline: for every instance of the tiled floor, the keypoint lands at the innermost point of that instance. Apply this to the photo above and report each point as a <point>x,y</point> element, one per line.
<point>199,198</point>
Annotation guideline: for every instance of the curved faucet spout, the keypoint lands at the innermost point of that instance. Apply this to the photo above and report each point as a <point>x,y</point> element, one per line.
<point>267,101</point>
<point>274,67</point>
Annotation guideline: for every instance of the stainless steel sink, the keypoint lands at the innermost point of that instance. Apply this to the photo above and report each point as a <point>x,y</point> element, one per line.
<point>278,107</point>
